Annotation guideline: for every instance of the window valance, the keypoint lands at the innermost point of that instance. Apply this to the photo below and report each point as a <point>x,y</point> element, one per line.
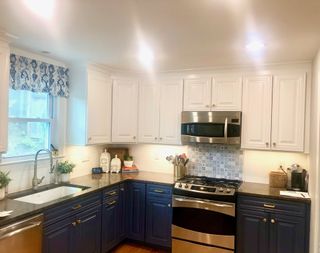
<point>38,76</point>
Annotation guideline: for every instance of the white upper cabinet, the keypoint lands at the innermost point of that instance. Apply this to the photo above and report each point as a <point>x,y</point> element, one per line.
<point>125,110</point>
<point>4,82</point>
<point>99,99</point>
<point>220,93</point>
<point>148,112</point>
<point>89,106</point>
<point>170,111</point>
<point>256,112</point>
<point>288,112</point>
<point>197,94</point>
<point>226,93</point>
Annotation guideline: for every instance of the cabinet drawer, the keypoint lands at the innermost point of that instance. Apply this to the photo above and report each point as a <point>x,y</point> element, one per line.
<point>272,205</point>
<point>111,192</point>
<point>71,207</point>
<point>155,190</point>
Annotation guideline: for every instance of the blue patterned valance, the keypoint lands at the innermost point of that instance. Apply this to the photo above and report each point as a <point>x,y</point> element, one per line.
<point>37,76</point>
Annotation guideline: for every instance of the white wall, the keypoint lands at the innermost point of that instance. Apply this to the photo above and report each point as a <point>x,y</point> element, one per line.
<point>314,188</point>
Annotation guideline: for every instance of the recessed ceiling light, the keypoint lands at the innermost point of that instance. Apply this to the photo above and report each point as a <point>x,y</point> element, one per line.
<point>146,56</point>
<point>42,8</point>
<point>255,46</point>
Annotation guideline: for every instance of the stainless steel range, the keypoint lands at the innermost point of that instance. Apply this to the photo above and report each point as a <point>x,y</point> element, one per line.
<point>204,215</point>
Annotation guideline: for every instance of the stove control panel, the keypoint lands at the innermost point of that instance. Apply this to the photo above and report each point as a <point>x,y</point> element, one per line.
<point>204,189</point>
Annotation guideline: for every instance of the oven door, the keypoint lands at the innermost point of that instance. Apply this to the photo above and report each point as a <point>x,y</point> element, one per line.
<point>203,223</point>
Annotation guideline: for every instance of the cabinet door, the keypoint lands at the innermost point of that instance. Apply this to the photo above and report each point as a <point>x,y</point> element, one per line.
<point>226,93</point>
<point>125,110</point>
<point>136,211</point>
<point>287,234</point>
<point>170,111</point>
<point>4,82</point>
<point>256,112</point>
<point>197,94</point>
<point>158,231</point>
<point>288,113</point>
<point>88,231</point>
<point>252,232</point>
<point>110,220</point>
<point>57,238</point>
<point>99,102</point>
<point>122,212</point>
<point>148,113</point>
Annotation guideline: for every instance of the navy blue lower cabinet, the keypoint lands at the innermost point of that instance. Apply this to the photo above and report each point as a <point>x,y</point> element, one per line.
<point>57,238</point>
<point>136,210</point>
<point>158,222</point>
<point>252,232</point>
<point>287,234</point>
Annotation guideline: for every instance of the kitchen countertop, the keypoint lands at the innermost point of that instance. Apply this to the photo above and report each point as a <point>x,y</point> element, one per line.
<point>96,183</point>
<point>264,190</point>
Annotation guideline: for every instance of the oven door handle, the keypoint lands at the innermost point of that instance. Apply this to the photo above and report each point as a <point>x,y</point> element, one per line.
<point>226,130</point>
<point>225,208</point>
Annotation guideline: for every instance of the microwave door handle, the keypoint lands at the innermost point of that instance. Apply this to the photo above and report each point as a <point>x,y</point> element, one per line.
<point>226,130</point>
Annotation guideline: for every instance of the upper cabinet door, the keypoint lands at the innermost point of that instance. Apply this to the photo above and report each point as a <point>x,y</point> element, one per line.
<point>226,93</point>
<point>125,110</point>
<point>148,113</point>
<point>99,102</point>
<point>4,82</point>
<point>256,112</point>
<point>170,111</point>
<point>197,94</point>
<point>288,114</point>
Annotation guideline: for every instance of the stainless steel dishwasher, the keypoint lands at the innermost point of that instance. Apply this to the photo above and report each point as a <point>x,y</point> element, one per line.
<point>23,236</point>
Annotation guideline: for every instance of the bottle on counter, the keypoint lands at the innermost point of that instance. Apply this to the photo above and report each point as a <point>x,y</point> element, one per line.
<point>115,165</point>
<point>105,161</point>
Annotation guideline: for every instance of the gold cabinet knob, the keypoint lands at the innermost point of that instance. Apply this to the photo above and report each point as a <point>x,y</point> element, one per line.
<point>264,220</point>
<point>273,221</point>
<point>274,144</point>
<point>74,224</point>
<point>267,144</point>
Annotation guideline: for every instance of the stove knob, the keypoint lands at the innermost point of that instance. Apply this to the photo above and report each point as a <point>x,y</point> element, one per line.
<point>186,186</point>
<point>201,188</point>
<point>220,189</point>
<point>180,185</point>
<point>228,190</point>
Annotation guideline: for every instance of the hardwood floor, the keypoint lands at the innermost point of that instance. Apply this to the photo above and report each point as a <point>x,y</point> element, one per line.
<point>129,247</point>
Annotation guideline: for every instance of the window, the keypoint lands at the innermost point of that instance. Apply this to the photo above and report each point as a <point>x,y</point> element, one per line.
<point>30,122</point>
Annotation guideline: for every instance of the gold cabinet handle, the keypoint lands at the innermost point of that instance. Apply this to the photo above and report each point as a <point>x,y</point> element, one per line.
<point>111,193</point>
<point>111,203</point>
<point>273,221</point>
<point>264,220</point>
<point>269,205</point>
<point>78,221</point>
<point>76,207</point>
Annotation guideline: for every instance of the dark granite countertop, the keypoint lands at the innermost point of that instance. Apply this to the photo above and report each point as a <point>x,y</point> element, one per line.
<point>264,190</point>
<point>22,210</point>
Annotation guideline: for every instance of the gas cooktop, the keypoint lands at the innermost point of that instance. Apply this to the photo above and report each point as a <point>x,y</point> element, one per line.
<point>205,187</point>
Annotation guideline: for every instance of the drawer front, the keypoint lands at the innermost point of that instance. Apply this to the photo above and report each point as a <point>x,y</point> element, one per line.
<point>71,207</point>
<point>111,192</point>
<point>272,205</point>
<point>157,190</point>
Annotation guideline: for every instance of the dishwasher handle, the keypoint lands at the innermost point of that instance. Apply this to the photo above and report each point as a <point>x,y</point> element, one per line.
<point>21,226</point>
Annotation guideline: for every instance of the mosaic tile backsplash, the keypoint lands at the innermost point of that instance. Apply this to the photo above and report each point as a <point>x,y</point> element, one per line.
<point>219,161</point>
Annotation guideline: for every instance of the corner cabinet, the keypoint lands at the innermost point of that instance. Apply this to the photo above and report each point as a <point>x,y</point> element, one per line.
<point>125,110</point>
<point>282,102</point>
<point>272,226</point>
<point>89,106</point>
<point>4,85</point>
<point>219,93</point>
<point>160,107</point>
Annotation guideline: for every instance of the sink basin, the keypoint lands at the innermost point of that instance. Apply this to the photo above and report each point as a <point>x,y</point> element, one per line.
<point>50,195</point>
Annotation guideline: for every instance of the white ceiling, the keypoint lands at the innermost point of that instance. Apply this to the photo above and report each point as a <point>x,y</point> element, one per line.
<point>182,33</point>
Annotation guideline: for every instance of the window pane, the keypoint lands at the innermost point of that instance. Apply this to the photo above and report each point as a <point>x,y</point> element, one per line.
<point>26,138</point>
<point>27,104</point>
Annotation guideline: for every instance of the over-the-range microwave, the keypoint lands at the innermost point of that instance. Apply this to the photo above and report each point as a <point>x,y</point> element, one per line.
<point>211,127</point>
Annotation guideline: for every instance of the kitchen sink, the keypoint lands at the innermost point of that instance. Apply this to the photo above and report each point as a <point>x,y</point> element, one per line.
<point>47,195</point>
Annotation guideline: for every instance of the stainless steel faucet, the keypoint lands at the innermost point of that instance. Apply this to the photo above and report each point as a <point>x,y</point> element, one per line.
<point>36,181</point>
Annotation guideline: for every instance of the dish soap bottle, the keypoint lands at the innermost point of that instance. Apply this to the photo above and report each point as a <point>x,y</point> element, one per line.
<point>105,161</point>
